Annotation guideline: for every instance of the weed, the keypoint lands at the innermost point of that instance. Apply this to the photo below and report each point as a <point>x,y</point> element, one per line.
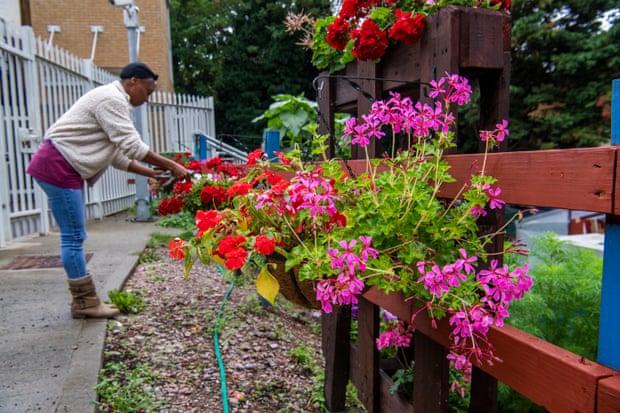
<point>250,305</point>
<point>182,220</point>
<point>156,241</point>
<point>123,389</point>
<point>158,278</point>
<point>305,356</point>
<point>126,302</point>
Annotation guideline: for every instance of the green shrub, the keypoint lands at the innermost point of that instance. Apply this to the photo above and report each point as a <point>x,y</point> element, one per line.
<point>563,306</point>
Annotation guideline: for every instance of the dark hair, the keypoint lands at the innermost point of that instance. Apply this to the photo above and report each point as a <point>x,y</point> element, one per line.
<point>138,70</point>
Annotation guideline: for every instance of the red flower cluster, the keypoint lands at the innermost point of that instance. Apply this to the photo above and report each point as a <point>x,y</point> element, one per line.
<point>370,41</point>
<point>170,205</point>
<point>207,189</point>
<point>504,4</point>
<point>407,28</point>
<point>231,247</point>
<point>371,24</point>
<point>212,195</point>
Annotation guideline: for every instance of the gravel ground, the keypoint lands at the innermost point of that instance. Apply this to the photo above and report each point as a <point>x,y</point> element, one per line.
<point>272,356</point>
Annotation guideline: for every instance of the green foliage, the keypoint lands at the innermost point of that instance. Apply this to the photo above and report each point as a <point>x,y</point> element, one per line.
<point>564,304</point>
<point>125,389</point>
<point>323,55</point>
<point>198,28</point>
<point>402,379</point>
<point>295,117</point>
<point>289,114</point>
<point>563,307</point>
<point>562,67</point>
<point>260,60</point>
<point>184,220</point>
<point>305,356</point>
<point>126,302</point>
<point>156,241</point>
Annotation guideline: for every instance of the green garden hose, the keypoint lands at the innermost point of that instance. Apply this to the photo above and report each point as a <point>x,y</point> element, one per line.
<point>216,344</point>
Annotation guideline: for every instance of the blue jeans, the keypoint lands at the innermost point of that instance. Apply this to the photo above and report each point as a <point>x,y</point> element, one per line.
<point>67,207</point>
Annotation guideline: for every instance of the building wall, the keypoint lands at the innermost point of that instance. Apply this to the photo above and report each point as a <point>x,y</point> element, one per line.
<point>75,18</point>
<point>9,11</point>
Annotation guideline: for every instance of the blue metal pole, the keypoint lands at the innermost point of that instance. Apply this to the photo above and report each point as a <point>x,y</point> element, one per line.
<point>609,334</point>
<point>202,147</point>
<point>272,143</point>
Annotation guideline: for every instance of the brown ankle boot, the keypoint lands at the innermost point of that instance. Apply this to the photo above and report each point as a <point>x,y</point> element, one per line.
<point>86,303</point>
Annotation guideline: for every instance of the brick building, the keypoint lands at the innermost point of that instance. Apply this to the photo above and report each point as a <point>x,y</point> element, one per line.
<point>73,25</point>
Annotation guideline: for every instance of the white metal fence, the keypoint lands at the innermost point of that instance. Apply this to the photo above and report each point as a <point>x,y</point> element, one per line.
<point>40,82</point>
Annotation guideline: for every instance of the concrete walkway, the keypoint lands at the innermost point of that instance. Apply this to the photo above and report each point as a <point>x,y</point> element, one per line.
<point>49,362</point>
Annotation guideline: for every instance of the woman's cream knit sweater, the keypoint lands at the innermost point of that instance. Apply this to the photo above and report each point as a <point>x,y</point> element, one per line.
<point>97,131</point>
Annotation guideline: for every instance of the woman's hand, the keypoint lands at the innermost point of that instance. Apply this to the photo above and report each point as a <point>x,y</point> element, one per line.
<point>180,173</point>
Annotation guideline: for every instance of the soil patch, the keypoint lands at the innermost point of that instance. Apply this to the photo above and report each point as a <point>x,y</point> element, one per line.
<point>271,355</point>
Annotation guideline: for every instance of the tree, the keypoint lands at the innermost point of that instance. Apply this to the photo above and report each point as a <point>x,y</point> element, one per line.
<point>563,63</point>
<point>198,30</point>
<point>261,60</point>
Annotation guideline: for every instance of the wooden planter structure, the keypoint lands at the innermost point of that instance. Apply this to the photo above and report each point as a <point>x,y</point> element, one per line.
<point>474,43</point>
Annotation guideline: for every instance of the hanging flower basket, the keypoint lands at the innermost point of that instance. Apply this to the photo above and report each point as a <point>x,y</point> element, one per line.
<point>294,290</point>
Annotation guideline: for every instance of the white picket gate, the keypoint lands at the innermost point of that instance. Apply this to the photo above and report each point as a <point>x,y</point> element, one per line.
<point>39,83</point>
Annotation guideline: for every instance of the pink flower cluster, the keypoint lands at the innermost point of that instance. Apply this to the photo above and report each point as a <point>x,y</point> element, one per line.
<point>397,334</point>
<point>440,280</point>
<point>494,201</point>
<point>349,262</point>
<point>418,120</point>
<point>471,323</point>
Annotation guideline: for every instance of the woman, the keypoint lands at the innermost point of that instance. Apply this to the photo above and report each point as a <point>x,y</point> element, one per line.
<point>96,132</point>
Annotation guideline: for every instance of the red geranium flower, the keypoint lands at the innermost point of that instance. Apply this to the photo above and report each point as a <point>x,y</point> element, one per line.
<point>505,4</point>
<point>229,243</point>
<point>213,194</point>
<point>213,163</point>
<point>182,187</point>
<point>407,28</point>
<point>370,41</point>
<point>170,205</point>
<point>194,165</point>
<point>205,220</point>
<point>338,33</point>
<point>282,157</point>
<point>233,171</point>
<point>235,258</point>
<point>238,189</point>
<point>264,245</point>
<point>176,248</point>
<point>254,156</point>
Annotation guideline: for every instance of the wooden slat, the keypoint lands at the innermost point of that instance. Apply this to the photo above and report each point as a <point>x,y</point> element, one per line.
<point>608,400</point>
<point>389,402</point>
<point>578,179</point>
<point>401,65</point>
<point>482,38</point>
<point>368,331</point>
<point>431,376</point>
<point>336,346</point>
<point>548,375</point>
<point>483,393</point>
